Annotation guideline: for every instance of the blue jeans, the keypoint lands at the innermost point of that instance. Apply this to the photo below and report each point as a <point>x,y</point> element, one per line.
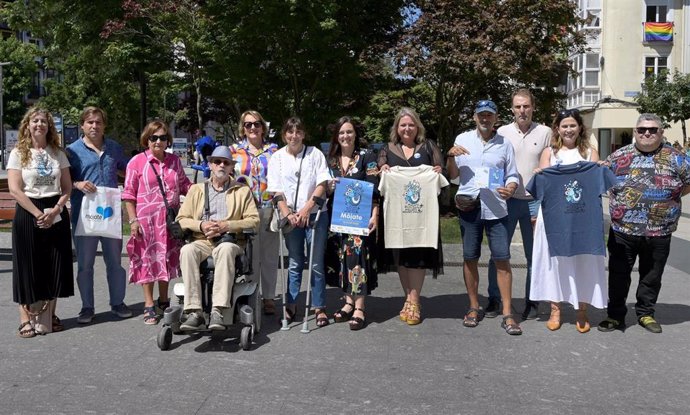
<point>86,255</point>
<point>520,211</point>
<point>472,228</point>
<point>295,246</point>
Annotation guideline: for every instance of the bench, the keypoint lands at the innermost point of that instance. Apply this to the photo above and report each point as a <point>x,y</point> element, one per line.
<point>7,202</point>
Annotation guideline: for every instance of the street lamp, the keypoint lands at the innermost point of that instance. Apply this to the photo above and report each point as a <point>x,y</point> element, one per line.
<point>2,120</point>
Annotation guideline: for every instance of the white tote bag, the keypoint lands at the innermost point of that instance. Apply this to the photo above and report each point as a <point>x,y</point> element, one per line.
<point>101,214</point>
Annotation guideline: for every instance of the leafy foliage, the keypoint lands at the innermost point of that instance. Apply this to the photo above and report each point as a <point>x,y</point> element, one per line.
<point>668,97</point>
<point>16,76</point>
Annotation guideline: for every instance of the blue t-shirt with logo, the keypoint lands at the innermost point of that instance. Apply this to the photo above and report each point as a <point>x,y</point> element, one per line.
<point>571,206</point>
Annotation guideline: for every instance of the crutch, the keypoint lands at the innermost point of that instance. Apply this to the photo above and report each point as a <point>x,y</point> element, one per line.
<point>320,202</point>
<point>283,277</point>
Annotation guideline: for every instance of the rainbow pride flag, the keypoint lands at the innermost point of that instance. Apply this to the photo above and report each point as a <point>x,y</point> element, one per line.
<point>658,32</point>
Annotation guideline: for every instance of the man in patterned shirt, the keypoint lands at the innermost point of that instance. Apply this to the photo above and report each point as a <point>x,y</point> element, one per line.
<point>645,207</point>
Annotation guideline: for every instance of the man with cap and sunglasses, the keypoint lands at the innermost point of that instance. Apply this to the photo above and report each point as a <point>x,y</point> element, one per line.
<point>645,207</point>
<point>485,163</point>
<point>231,209</point>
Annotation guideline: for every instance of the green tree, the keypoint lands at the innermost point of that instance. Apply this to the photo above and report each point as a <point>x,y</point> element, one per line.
<point>17,77</point>
<point>475,49</point>
<point>668,97</point>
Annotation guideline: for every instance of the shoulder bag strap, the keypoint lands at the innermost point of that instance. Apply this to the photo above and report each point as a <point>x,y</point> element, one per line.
<point>299,176</point>
<point>160,184</point>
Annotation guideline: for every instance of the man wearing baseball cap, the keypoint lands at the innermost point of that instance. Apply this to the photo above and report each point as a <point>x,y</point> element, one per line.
<point>231,209</point>
<point>484,161</point>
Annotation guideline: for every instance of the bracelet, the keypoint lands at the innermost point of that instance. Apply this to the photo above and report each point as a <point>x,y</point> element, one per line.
<point>131,221</point>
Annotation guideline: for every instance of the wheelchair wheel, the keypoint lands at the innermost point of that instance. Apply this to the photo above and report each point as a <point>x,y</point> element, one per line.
<point>164,339</point>
<point>246,338</point>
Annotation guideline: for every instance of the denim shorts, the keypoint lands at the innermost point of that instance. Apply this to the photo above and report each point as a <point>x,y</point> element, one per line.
<point>472,228</point>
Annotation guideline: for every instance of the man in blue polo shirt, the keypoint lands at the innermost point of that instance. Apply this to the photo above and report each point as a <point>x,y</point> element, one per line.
<point>96,161</point>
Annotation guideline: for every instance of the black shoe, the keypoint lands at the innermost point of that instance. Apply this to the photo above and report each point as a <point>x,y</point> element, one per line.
<point>493,309</point>
<point>650,324</point>
<point>610,325</point>
<point>531,310</point>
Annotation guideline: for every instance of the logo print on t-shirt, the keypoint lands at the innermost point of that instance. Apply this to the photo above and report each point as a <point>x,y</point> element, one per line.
<point>573,195</point>
<point>412,197</point>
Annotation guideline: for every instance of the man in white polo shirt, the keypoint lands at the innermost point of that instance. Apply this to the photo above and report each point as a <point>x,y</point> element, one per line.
<point>529,139</point>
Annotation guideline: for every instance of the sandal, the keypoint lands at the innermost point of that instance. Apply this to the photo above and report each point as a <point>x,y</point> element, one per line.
<point>26,333</point>
<point>342,316</point>
<point>57,324</point>
<point>511,328</point>
<point>290,315</point>
<point>321,318</point>
<point>405,311</point>
<point>358,323</point>
<point>150,316</point>
<point>414,314</point>
<point>471,320</point>
<point>162,306</point>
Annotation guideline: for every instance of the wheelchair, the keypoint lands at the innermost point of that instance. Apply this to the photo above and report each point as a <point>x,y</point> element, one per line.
<point>246,300</point>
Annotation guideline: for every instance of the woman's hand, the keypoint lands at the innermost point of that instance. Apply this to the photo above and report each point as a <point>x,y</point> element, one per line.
<point>135,229</point>
<point>385,168</point>
<point>373,224</point>
<point>303,217</point>
<point>537,170</point>
<point>331,185</point>
<point>438,169</point>
<point>46,219</point>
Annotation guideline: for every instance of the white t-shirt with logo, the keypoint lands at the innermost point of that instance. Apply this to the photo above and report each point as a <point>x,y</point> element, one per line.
<point>42,175</point>
<point>410,207</point>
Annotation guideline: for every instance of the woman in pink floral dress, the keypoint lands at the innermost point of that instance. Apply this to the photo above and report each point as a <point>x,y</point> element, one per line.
<point>154,255</point>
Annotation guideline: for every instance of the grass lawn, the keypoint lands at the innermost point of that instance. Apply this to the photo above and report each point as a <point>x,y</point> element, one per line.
<point>450,230</point>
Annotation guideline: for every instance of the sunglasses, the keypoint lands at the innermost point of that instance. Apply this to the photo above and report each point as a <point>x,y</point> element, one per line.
<point>154,138</point>
<point>223,162</point>
<point>567,113</point>
<point>642,130</point>
<point>255,124</point>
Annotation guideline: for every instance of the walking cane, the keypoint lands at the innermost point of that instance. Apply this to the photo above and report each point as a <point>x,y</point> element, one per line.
<point>320,202</point>
<point>283,283</point>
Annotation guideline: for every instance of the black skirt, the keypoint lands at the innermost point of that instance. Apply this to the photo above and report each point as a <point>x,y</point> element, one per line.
<point>42,258</point>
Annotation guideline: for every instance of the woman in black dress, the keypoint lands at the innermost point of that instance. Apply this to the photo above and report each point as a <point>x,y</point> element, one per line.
<point>408,147</point>
<point>355,262</point>
<point>38,178</point>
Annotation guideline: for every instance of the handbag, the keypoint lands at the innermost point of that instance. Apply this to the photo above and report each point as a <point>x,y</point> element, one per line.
<point>101,213</point>
<point>174,228</point>
<point>283,224</point>
<point>40,316</point>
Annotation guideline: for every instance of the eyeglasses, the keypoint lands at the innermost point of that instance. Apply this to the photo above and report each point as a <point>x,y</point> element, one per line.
<point>221,161</point>
<point>643,130</point>
<point>567,113</point>
<point>255,124</point>
<point>154,138</point>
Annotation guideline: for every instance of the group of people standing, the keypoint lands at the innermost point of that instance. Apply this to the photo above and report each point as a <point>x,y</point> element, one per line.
<point>549,180</point>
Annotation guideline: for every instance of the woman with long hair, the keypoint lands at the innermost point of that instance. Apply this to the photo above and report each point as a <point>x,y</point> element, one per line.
<point>408,147</point>
<point>355,262</point>
<point>38,178</point>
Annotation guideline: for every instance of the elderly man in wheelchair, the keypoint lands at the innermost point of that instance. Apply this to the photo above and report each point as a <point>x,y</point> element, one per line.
<point>217,212</point>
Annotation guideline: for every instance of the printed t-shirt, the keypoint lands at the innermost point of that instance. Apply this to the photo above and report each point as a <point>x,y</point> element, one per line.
<point>571,204</point>
<point>42,175</point>
<point>411,206</point>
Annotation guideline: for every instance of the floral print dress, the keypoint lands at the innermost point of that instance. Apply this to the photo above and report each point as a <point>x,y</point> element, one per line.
<point>351,259</point>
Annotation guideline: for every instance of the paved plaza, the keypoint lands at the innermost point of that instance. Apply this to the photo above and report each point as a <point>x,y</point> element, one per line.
<point>438,367</point>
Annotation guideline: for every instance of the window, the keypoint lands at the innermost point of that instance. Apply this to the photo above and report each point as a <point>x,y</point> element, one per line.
<point>656,14</point>
<point>583,87</point>
<point>655,65</point>
<point>590,11</point>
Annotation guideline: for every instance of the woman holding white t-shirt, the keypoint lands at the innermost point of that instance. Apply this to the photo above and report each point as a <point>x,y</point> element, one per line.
<point>38,178</point>
<point>408,147</point>
<point>297,175</point>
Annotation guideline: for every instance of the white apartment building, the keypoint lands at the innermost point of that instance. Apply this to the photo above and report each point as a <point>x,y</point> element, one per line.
<point>611,73</point>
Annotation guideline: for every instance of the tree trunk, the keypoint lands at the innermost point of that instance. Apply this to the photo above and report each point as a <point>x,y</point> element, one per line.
<point>142,100</point>
<point>685,138</point>
<point>197,85</point>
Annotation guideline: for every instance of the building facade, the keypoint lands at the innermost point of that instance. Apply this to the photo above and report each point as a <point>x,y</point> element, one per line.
<point>628,41</point>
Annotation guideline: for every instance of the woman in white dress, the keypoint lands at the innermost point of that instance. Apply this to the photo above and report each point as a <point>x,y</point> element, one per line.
<point>580,279</point>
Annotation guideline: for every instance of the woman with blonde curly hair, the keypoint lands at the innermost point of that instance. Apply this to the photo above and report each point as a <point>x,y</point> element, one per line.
<point>38,178</point>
